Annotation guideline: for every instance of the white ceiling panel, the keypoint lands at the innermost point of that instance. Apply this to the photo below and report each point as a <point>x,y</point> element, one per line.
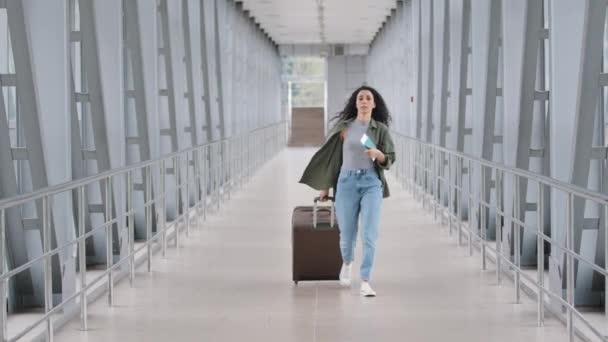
<point>320,21</point>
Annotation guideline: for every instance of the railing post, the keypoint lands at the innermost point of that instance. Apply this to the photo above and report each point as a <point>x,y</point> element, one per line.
<point>540,254</point>
<point>413,168</point>
<point>403,161</point>
<point>217,175</point>
<point>131,223</point>
<point>442,185</point>
<point>3,282</point>
<point>460,182</point>
<point>48,276</point>
<point>471,214</point>
<point>482,216</point>
<point>82,259</point>
<point>109,252</point>
<point>416,173</point>
<point>187,191</point>
<point>199,194</point>
<point>230,157</point>
<point>163,208</point>
<point>423,176</point>
<point>407,165</point>
<point>435,182</point>
<point>428,182</point>
<point>606,254</point>
<point>499,208</point>
<point>221,190</point>
<point>415,157</point>
<point>148,210</point>
<point>230,144</point>
<point>176,173</point>
<point>450,193</point>
<point>570,267</point>
<point>205,179</point>
<point>517,239</point>
<point>421,187</point>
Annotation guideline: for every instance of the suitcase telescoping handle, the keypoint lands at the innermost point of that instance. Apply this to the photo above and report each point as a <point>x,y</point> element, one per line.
<point>314,211</point>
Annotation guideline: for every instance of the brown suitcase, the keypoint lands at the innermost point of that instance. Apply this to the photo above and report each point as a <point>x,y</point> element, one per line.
<point>315,243</point>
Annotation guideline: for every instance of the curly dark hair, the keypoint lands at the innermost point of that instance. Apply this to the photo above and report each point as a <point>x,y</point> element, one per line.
<point>379,113</point>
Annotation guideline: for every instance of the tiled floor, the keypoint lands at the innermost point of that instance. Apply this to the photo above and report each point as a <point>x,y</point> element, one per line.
<point>231,281</point>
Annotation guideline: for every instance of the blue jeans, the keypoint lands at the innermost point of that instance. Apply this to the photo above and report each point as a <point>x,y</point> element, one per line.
<point>359,192</point>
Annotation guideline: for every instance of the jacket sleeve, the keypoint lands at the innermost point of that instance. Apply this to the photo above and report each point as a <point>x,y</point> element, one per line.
<point>320,174</point>
<point>388,148</point>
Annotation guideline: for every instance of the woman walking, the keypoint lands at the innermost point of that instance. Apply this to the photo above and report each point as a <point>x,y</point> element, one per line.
<point>352,162</point>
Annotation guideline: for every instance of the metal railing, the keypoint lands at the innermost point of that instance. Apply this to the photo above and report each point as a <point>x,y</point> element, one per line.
<point>434,175</point>
<point>219,168</point>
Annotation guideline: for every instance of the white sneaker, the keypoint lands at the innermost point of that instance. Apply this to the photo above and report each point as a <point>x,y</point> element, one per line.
<point>345,274</point>
<point>366,290</point>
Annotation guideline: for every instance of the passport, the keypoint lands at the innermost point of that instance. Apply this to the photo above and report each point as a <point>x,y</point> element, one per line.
<point>368,143</point>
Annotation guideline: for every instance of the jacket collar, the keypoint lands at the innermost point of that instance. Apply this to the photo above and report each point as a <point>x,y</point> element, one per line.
<point>373,124</point>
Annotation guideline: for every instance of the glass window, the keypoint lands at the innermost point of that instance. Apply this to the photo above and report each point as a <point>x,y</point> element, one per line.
<point>8,67</point>
<point>308,94</point>
<point>78,74</point>
<point>307,75</point>
<point>294,67</point>
<point>604,100</point>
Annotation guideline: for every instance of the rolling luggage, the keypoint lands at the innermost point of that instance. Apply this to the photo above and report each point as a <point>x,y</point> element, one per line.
<point>315,243</point>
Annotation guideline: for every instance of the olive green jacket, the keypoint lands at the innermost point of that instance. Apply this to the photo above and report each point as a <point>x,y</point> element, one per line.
<point>324,168</point>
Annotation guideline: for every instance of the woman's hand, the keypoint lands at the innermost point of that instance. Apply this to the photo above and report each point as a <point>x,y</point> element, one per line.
<point>375,153</point>
<point>323,195</point>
